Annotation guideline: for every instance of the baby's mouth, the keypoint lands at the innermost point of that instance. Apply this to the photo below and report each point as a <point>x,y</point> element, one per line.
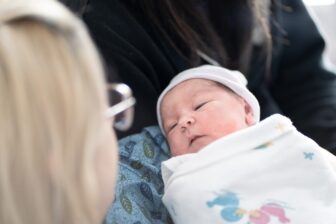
<point>194,138</point>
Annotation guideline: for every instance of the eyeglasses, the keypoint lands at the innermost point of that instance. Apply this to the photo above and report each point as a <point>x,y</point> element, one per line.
<point>122,110</point>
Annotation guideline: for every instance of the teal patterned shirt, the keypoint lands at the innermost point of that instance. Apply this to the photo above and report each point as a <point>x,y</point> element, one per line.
<point>140,186</point>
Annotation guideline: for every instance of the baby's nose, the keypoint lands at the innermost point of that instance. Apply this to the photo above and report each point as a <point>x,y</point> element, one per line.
<point>186,121</point>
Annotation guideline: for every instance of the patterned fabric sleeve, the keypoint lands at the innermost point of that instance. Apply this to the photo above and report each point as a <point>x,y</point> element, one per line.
<point>140,187</point>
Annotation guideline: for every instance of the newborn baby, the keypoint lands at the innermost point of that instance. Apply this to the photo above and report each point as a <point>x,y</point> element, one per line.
<point>229,167</point>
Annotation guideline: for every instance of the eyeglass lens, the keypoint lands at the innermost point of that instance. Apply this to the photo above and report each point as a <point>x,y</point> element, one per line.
<point>119,94</point>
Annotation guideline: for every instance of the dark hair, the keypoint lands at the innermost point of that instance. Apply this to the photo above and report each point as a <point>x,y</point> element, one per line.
<point>221,29</point>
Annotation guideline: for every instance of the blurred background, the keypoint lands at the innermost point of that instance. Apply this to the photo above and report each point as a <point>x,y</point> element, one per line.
<point>324,12</point>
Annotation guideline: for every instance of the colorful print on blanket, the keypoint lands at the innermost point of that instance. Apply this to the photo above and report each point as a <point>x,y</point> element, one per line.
<point>232,212</point>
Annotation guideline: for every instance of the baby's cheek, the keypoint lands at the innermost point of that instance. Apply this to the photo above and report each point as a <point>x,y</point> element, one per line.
<point>172,145</point>
<point>176,149</point>
<point>228,128</point>
<point>178,143</point>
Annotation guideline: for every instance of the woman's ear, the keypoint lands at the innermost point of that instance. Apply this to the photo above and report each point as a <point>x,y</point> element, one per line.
<point>249,118</point>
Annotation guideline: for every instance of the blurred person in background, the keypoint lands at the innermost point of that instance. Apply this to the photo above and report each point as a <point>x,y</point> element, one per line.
<point>58,152</point>
<point>275,43</point>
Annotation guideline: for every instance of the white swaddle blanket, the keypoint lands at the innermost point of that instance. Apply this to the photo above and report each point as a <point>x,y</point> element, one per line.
<point>266,174</point>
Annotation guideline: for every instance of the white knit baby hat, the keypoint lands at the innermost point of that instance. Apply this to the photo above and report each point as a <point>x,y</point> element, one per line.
<point>234,80</point>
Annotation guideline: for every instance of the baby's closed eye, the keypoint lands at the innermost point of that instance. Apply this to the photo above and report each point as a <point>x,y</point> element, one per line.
<point>171,127</point>
<point>200,105</point>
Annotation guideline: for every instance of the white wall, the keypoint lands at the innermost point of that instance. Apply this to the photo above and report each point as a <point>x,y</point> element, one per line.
<point>325,16</point>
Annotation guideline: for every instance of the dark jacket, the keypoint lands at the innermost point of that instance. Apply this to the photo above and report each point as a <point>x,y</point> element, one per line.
<point>298,87</point>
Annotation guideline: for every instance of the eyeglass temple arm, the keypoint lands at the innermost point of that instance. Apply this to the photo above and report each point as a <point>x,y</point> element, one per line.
<point>120,107</point>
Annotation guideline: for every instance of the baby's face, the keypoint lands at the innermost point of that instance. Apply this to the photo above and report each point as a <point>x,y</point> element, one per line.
<point>197,111</point>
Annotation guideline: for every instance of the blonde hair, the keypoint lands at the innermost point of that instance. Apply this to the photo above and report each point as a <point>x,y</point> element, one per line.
<point>52,101</point>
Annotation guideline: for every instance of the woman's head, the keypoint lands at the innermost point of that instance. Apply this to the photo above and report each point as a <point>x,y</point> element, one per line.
<point>56,141</point>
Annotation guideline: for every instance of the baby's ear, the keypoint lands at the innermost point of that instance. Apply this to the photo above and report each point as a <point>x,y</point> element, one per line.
<point>249,118</point>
